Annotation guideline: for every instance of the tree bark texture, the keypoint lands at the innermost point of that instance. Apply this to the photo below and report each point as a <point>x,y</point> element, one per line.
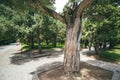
<point>71,52</point>
<point>72,18</point>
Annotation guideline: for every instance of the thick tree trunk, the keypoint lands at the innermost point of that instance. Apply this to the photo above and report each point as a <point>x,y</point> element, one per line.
<point>71,52</point>
<point>72,19</point>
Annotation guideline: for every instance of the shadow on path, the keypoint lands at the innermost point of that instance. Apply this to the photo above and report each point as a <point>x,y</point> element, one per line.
<point>27,56</point>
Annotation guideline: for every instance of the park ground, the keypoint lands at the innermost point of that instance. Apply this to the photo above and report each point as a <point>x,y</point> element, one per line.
<point>22,70</point>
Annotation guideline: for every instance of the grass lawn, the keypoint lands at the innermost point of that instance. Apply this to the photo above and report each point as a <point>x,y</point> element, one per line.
<point>26,47</point>
<point>112,54</point>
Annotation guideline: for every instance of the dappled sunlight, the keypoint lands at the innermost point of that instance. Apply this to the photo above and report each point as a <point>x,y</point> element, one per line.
<point>87,72</point>
<point>117,51</point>
<point>112,54</point>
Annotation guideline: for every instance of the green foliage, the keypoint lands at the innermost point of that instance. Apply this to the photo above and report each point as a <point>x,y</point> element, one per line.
<point>31,24</point>
<point>117,46</point>
<point>23,5</point>
<point>27,25</point>
<point>8,29</point>
<point>102,25</point>
<point>25,47</point>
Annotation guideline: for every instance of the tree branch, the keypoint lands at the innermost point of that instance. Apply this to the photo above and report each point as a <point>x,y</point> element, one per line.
<point>49,12</point>
<point>82,6</point>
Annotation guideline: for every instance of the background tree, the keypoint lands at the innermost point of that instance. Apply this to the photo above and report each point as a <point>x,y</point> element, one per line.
<point>8,29</point>
<point>101,15</point>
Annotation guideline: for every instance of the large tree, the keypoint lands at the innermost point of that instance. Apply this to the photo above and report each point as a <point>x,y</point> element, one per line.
<point>72,18</point>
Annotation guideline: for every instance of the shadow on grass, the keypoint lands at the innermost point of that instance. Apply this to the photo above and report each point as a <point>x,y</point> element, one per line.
<point>27,56</point>
<point>116,48</point>
<point>112,54</point>
<point>109,55</point>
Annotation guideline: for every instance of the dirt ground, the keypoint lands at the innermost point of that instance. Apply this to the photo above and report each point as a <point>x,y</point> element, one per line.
<point>87,72</point>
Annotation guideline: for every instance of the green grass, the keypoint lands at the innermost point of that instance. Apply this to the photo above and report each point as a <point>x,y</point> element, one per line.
<point>117,47</point>
<point>112,54</point>
<point>51,46</point>
<point>26,47</point>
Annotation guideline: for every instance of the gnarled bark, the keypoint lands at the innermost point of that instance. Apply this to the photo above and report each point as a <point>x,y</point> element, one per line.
<point>71,52</point>
<point>73,35</point>
<point>73,21</point>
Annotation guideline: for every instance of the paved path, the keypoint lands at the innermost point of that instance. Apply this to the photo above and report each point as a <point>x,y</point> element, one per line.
<point>10,71</point>
<point>3,49</point>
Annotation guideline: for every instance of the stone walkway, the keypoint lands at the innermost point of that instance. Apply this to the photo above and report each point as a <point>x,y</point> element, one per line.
<point>9,71</point>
